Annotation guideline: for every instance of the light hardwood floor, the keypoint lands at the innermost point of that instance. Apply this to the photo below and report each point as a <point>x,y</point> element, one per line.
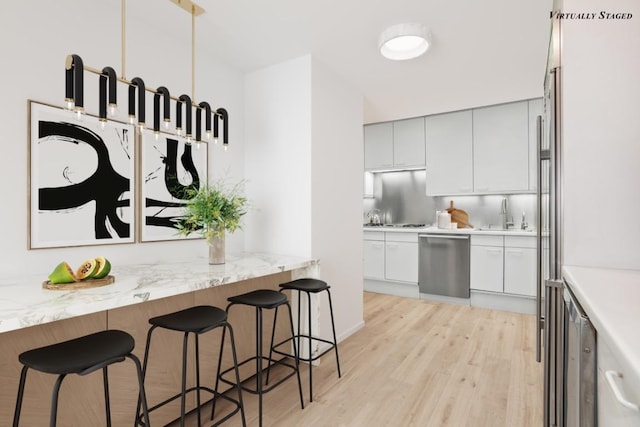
<point>419,363</point>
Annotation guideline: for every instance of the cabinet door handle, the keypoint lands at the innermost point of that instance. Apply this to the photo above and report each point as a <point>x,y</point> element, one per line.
<point>377,245</point>
<point>392,245</point>
<point>611,379</point>
<point>517,252</point>
<point>494,251</point>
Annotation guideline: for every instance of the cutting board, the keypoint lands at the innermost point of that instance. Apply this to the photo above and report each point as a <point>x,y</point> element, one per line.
<point>82,284</point>
<point>459,216</point>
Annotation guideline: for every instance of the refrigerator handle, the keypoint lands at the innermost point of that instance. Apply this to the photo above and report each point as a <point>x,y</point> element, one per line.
<point>539,252</point>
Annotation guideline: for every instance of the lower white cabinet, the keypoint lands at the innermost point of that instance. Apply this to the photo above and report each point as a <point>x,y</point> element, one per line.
<point>373,254</point>
<point>401,257</point>
<point>487,258</point>
<point>505,264</point>
<point>520,265</point>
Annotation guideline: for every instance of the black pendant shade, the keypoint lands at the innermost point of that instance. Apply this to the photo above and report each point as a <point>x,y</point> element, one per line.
<point>74,79</point>
<point>107,102</point>
<point>137,82</point>
<point>108,76</point>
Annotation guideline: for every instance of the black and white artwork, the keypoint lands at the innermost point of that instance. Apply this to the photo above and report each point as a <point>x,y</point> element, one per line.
<point>170,167</point>
<point>81,179</point>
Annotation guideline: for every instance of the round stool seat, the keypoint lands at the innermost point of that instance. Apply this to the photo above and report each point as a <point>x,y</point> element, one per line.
<point>306,285</point>
<point>197,319</point>
<point>76,355</point>
<point>263,298</point>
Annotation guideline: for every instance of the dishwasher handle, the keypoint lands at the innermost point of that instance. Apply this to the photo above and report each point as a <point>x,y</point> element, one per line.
<point>442,236</point>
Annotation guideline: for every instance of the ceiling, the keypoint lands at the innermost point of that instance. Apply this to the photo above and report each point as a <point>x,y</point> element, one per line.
<point>483,52</point>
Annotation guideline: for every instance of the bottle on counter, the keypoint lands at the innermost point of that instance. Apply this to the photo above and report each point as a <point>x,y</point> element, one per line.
<point>444,220</point>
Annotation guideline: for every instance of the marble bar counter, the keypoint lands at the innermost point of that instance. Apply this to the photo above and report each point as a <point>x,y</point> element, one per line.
<point>31,317</point>
<point>24,302</point>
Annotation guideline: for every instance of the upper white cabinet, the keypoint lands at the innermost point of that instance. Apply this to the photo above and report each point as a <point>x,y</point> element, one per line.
<point>378,146</point>
<point>449,153</point>
<point>394,144</point>
<point>501,148</point>
<point>408,143</point>
<point>535,110</point>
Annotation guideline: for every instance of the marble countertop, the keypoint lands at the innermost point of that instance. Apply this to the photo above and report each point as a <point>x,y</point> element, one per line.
<point>431,229</point>
<point>25,303</point>
<point>610,298</point>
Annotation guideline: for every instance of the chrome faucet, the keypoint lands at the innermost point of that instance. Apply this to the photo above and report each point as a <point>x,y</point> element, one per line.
<point>504,214</point>
<point>523,224</point>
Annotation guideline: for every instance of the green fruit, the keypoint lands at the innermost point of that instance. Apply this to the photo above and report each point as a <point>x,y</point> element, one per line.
<point>62,274</point>
<point>87,269</point>
<point>104,267</point>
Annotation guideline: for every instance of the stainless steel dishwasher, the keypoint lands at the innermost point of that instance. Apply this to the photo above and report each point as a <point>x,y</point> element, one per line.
<point>444,264</point>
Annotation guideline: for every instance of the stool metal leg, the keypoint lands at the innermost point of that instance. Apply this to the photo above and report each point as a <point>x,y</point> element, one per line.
<point>198,401</point>
<point>213,402</point>
<point>142,397</point>
<point>54,400</point>
<point>144,367</point>
<point>273,334</point>
<point>259,362</point>
<point>310,342</point>
<point>184,378</point>
<point>235,363</point>
<point>296,357</point>
<point>333,328</point>
<point>23,378</point>
<point>107,403</point>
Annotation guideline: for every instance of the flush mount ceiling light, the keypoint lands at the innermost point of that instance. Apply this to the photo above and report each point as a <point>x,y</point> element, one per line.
<point>404,41</point>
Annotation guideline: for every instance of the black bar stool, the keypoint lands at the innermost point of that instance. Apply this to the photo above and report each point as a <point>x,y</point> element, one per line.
<point>80,356</point>
<point>264,299</point>
<point>196,320</point>
<point>308,286</point>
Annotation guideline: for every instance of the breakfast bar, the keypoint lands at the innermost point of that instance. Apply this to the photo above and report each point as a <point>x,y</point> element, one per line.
<point>31,316</point>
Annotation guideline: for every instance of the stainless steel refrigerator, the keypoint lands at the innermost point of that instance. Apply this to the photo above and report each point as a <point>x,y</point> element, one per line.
<point>550,334</point>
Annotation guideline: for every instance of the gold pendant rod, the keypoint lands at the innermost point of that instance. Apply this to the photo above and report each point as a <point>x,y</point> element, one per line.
<point>193,51</point>
<point>123,36</point>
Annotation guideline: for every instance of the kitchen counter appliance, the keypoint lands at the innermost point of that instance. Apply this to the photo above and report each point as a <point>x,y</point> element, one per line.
<point>444,264</point>
<point>580,365</point>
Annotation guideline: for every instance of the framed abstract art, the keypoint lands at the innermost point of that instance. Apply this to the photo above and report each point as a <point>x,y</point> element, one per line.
<point>81,179</point>
<point>170,168</point>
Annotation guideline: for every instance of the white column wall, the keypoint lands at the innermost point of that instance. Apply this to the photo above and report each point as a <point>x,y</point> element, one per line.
<point>337,161</point>
<point>304,159</point>
<point>278,158</point>
<point>601,136</point>
<point>36,38</point>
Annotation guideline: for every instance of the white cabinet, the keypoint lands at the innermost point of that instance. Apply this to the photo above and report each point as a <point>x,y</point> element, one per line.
<point>613,407</point>
<point>373,253</point>
<point>504,264</point>
<point>520,265</point>
<point>378,146</point>
<point>501,148</point>
<point>408,143</point>
<point>449,153</point>
<point>487,253</point>
<point>401,257</point>
<point>394,145</point>
<point>535,110</point>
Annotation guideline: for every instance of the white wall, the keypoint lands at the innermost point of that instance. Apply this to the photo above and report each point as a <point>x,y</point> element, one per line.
<point>304,159</point>
<point>278,158</point>
<point>337,159</point>
<point>36,38</point>
<point>601,136</point>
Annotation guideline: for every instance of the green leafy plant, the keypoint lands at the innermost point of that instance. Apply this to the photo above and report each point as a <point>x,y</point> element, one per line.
<point>213,209</point>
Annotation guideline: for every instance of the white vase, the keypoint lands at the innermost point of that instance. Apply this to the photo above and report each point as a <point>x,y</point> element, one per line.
<point>216,249</point>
